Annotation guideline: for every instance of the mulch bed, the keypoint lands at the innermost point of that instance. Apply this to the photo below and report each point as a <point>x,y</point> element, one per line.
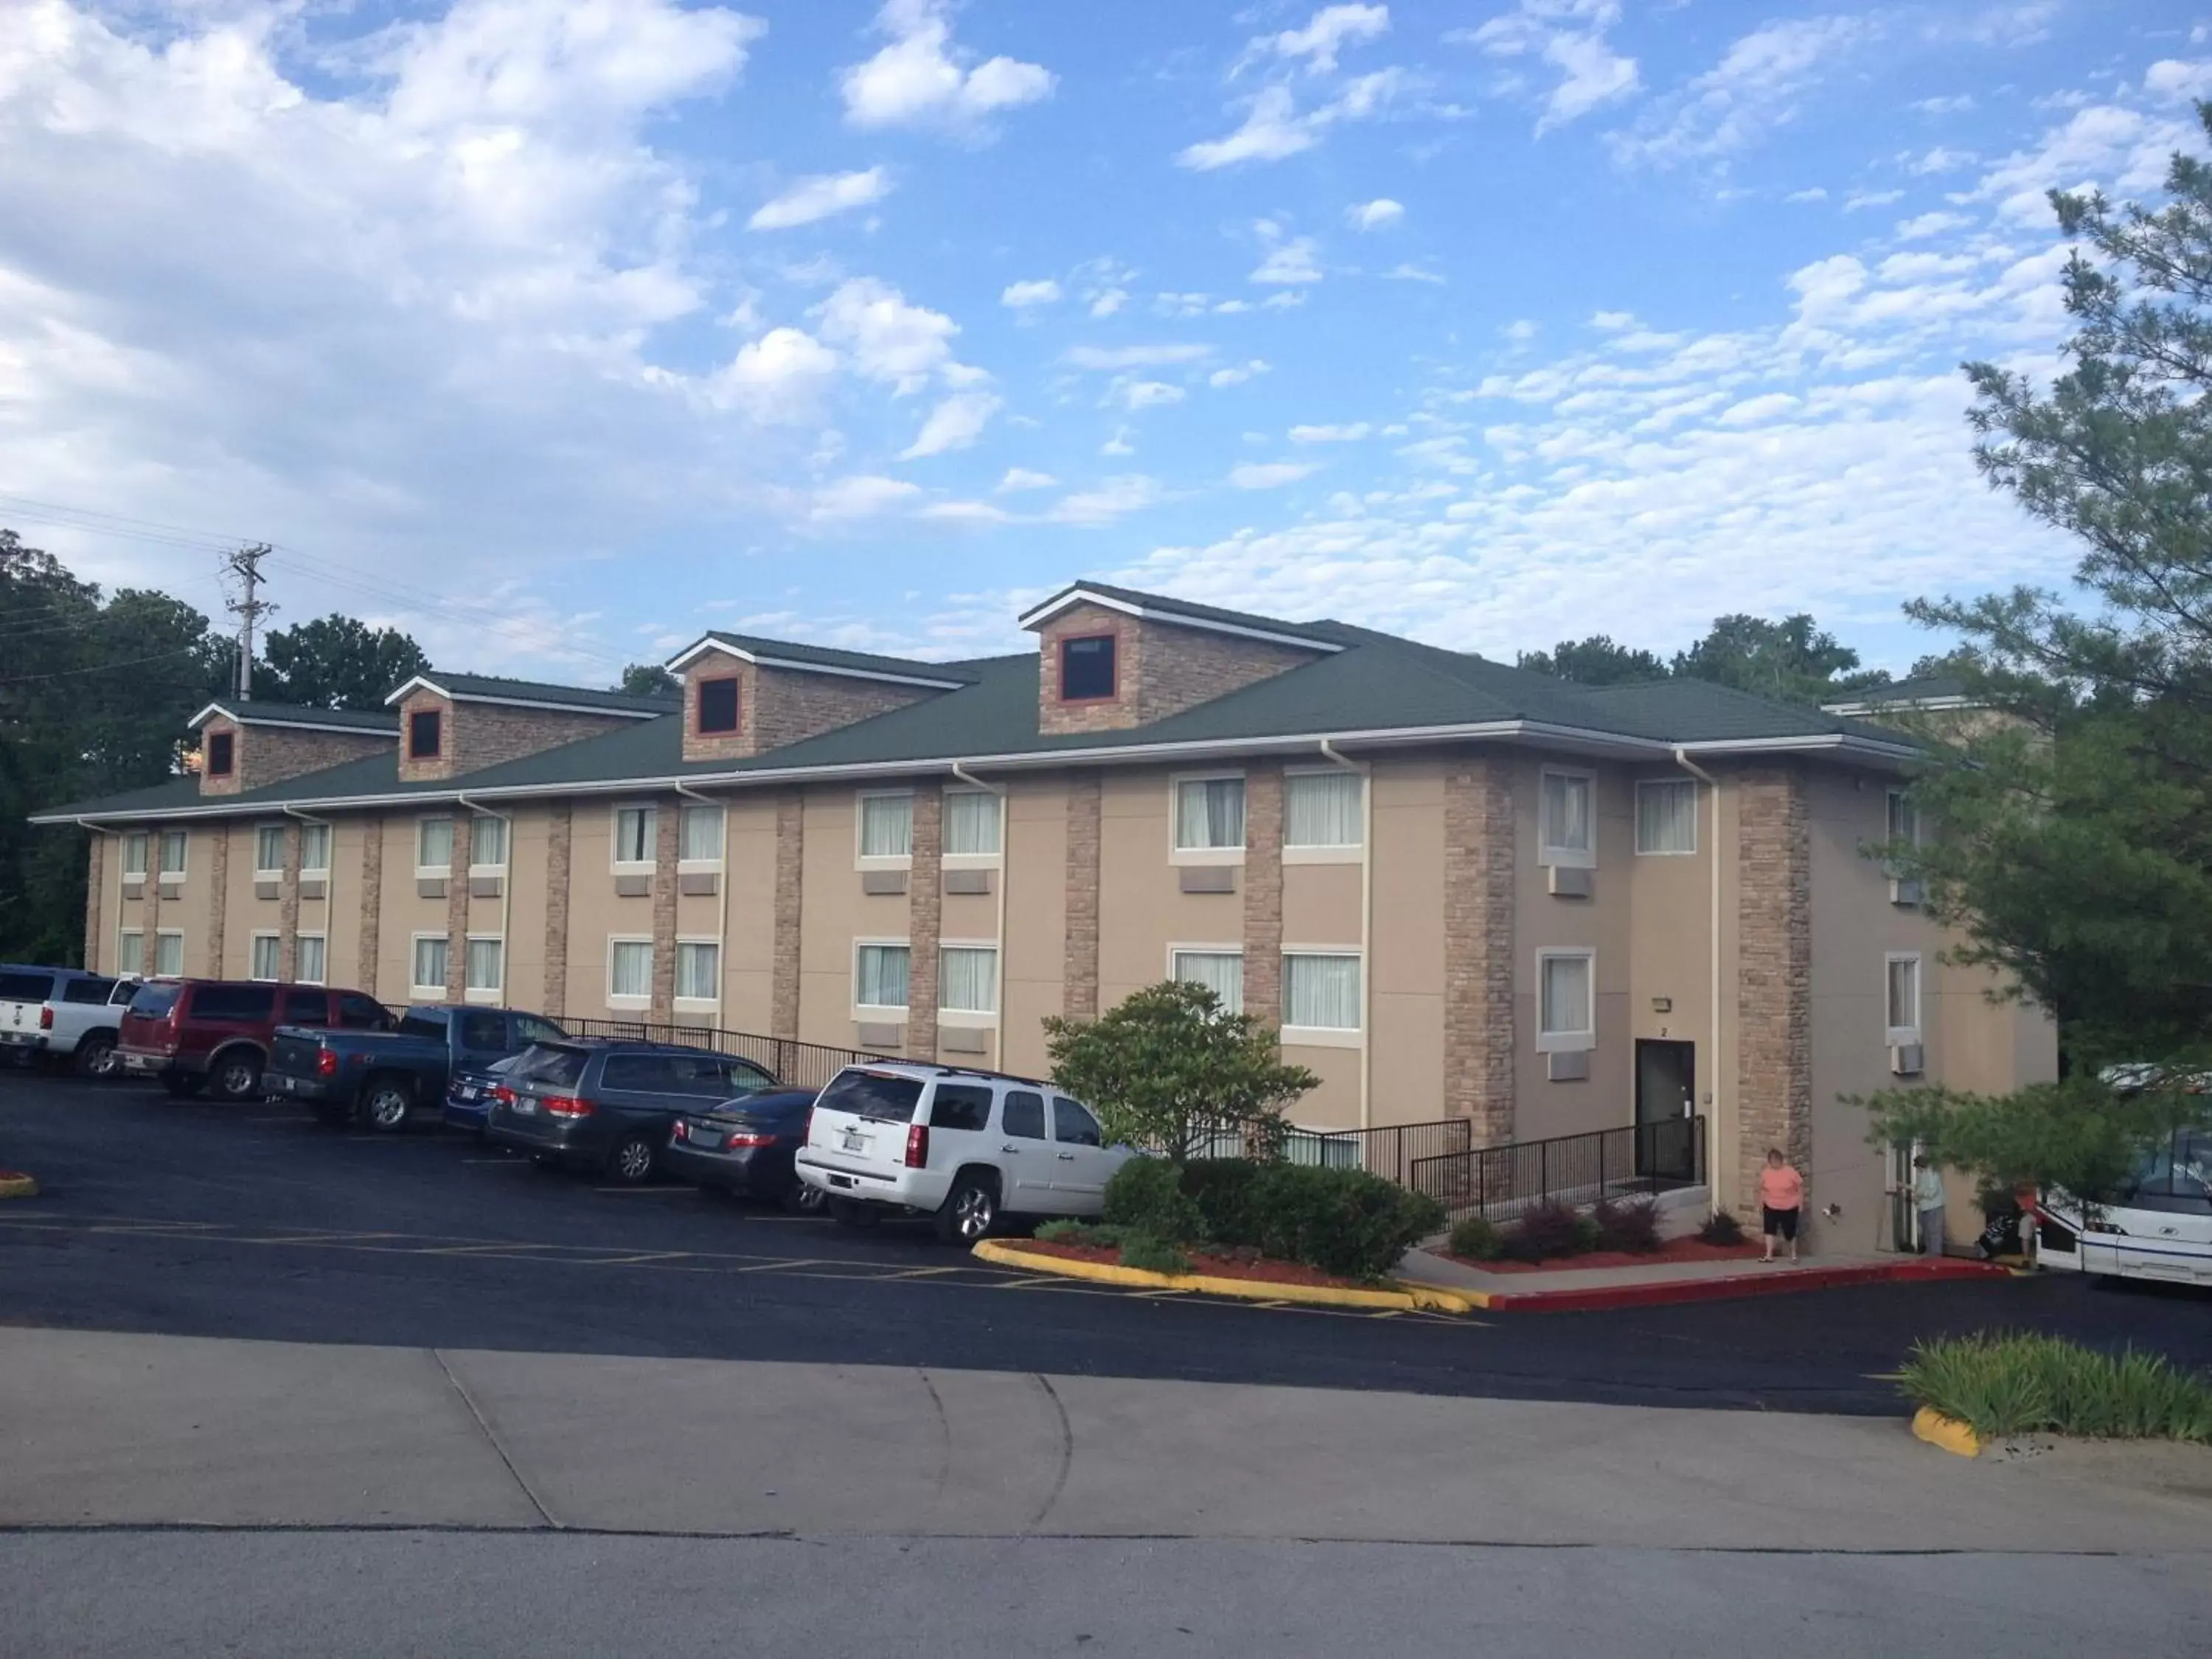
<point>1259,1269</point>
<point>1679,1249</point>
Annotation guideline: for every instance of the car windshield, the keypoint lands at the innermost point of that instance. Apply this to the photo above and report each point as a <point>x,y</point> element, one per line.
<point>554,1068</point>
<point>884,1096</point>
<point>155,1001</point>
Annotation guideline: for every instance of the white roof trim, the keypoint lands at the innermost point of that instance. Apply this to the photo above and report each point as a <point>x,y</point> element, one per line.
<point>428,685</point>
<point>247,718</point>
<point>1075,596</point>
<point>729,649</point>
<point>1905,705</point>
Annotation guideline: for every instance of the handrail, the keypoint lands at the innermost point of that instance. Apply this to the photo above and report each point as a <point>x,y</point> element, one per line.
<point>1631,1160</point>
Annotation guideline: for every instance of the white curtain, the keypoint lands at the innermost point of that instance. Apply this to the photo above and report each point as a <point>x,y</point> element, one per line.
<point>430,964</point>
<point>434,847</point>
<point>702,835</point>
<point>630,968</point>
<point>1321,809</point>
<point>970,975</point>
<point>697,967</point>
<point>266,956</point>
<point>1321,993</point>
<point>174,845</point>
<point>886,826</point>
<point>1905,993</point>
<point>883,973</point>
<point>1566,813</point>
<point>487,964</point>
<point>314,847</point>
<point>1904,818</point>
<point>268,850</point>
<point>1221,972</point>
<point>311,959</point>
<point>488,843</point>
<point>1667,816</point>
<point>1566,997</point>
<point>131,948</point>
<point>1210,812</point>
<point>169,955</point>
<point>971,822</point>
<point>134,854</point>
<point>636,830</point>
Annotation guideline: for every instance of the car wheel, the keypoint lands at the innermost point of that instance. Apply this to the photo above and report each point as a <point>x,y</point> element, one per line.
<point>799,1199</point>
<point>847,1212</point>
<point>633,1158</point>
<point>235,1077</point>
<point>384,1105</point>
<point>970,1211</point>
<point>97,1056</point>
<point>179,1087</point>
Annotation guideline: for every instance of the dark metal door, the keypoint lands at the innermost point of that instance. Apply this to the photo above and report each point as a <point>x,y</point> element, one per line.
<point>1666,1109</point>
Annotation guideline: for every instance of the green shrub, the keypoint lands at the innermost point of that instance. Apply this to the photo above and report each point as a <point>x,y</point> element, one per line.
<point>1722,1228</point>
<point>2000,1384</point>
<point>1152,1255</point>
<point>1346,1221</point>
<point>1630,1225</point>
<point>1146,1195</point>
<point>1548,1229</point>
<point>1063,1232</point>
<point>1221,1187</point>
<point>1477,1240</point>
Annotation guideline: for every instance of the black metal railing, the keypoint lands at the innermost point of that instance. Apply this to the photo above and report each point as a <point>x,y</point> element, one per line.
<point>1635,1159</point>
<point>1390,1152</point>
<point>796,1064</point>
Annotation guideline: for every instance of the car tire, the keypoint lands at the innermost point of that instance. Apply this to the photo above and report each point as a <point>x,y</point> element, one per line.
<point>969,1211</point>
<point>634,1159</point>
<point>850,1213</point>
<point>386,1103</point>
<point>235,1076</point>
<point>178,1086</point>
<point>799,1199</point>
<point>97,1056</point>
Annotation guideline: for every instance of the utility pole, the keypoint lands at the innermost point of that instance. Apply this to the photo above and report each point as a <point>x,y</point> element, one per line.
<point>245,565</point>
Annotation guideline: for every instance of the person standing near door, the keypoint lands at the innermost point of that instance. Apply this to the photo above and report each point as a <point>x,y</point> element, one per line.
<point>1781,1200</point>
<point>1928,1197</point>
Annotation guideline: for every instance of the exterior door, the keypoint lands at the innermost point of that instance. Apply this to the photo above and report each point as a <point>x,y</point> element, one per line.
<point>1081,1165</point>
<point>1026,1160</point>
<point>1666,1106</point>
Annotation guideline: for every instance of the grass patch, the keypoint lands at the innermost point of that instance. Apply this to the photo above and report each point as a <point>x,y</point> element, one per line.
<point>2003,1384</point>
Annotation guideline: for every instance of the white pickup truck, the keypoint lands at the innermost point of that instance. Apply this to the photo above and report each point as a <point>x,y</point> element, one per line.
<point>63,1013</point>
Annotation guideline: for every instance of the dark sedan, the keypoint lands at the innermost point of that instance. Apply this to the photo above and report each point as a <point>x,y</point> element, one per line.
<point>609,1106</point>
<point>746,1146</point>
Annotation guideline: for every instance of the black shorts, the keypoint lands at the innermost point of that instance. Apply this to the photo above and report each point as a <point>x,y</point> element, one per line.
<point>1779,1224</point>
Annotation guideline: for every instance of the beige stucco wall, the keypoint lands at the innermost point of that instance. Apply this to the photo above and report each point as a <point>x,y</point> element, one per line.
<point>596,913</point>
<point>1033,966</point>
<point>836,914</point>
<point>749,877</point>
<point>1406,955</point>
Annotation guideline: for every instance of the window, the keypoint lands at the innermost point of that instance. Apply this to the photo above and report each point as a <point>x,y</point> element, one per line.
<point>97,992</point>
<point>1086,668</point>
<point>1221,972</point>
<point>637,833</point>
<point>359,1013</point>
<point>312,953</point>
<point>1566,830</point>
<point>880,1096</point>
<point>698,970</point>
<point>175,845</point>
<point>482,1030</point>
<point>429,965</point>
<point>971,823</point>
<point>134,855</point>
<point>961,1106</point>
<point>1666,816</point>
<point>484,974</point>
<point>1024,1117</point>
<point>630,970</point>
<point>428,1024</point>
<point>1565,1006</point>
<point>887,827</point>
<point>269,852</point>
<point>169,955</point>
<point>423,730</point>
<point>233,1002</point>
<point>967,980</point>
<point>267,955</point>
<point>1320,992</point>
<point>1903,1000</point>
<point>699,837</point>
<point>1904,818</point>
<point>306,1008</point>
<point>219,747</point>
<point>718,706</point>
<point>130,950</point>
<point>314,849</point>
<point>434,847</point>
<point>1209,815</point>
<point>879,975</point>
<point>1073,1124</point>
<point>486,843</point>
<point>1321,809</point>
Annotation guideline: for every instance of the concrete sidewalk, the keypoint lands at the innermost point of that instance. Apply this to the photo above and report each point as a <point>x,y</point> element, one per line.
<point>100,1429</point>
<point>1578,1290</point>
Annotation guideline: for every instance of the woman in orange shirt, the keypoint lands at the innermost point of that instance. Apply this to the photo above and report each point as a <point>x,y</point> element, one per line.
<point>1781,1196</point>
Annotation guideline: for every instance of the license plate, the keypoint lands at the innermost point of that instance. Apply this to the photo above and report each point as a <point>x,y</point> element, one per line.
<point>23,1037</point>
<point>525,1106</point>
<point>855,1143</point>
<point>463,1093</point>
<point>285,1085</point>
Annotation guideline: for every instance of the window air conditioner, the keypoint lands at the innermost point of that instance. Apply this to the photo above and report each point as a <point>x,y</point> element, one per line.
<point>1906,1058</point>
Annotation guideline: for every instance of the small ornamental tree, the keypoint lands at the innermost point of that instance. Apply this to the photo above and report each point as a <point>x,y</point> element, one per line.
<point>1170,1065</point>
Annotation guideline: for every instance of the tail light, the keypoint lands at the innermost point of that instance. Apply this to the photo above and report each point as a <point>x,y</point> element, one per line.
<point>681,1132</point>
<point>743,1138</point>
<point>566,1106</point>
<point>502,1094</point>
<point>917,1145</point>
<point>326,1062</point>
<point>45,1019</point>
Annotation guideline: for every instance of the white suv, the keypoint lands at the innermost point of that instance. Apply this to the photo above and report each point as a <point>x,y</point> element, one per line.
<point>964,1146</point>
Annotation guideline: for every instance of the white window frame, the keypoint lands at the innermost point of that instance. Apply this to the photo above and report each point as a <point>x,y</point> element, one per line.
<point>1891,799</point>
<point>330,842</point>
<point>712,866</point>
<point>1900,1036</point>
<point>268,871</point>
<point>1637,830</point>
<point>619,865</point>
<point>415,987</point>
<point>253,944</point>
<point>1181,949</point>
<point>881,860</point>
<point>129,959</point>
<point>966,1018</point>
<point>178,934</point>
<point>695,1005</point>
<point>876,1012</point>
<point>476,866</point>
<point>1566,1043</point>
<point>147,851</point>
<point>492,995</point>
<point>974,861</point>
<point>299,953</point>
<point>1295,854</point>
<point>431,872</point>
<point>168,877</point>
<point>1324,1036</point>
<point>627,1001</point>
<point>1180,854</point>
<point>1567,857</point>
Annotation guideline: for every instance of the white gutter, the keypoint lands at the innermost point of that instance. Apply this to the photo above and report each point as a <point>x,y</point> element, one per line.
<point>1005,870</point>
<point>1713,989</point>
<point>329,896</point>
<point>721,895</point>
<point>1365,773</point>
<point>506,894</point>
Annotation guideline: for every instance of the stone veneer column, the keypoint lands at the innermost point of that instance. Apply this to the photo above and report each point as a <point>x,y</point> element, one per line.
<point>1079,977</point>
<point>1479,897</point>
<point>1263,891</point>
<point>219,900</point>
<point>371,904</point>
<point>287,909</point>
<point>457,908</point>
<point>790,874</point>
<point>558,832</point>
<point>1774,973</point>
<point>667,828</point>
<point>925,918</point>
<point>150,906</point>
<point>95,860</point>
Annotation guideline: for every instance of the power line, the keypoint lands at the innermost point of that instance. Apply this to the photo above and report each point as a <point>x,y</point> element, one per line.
<point>101,667</point>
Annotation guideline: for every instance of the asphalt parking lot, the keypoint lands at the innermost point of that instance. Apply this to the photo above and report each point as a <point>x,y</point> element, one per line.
<point>255,1221</point>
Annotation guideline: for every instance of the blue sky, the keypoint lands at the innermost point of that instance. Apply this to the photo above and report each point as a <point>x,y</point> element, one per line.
<point>557,330</point>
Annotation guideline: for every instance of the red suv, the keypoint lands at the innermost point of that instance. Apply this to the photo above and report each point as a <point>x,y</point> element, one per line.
<point>214,1034</point>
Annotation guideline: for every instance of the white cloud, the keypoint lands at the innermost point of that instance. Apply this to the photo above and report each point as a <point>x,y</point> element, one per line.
<point>1020,478</point>
<point>1952,105</point>
<point>1570,35</point>
<point>1349,434</point>
<point>1942,159</point>
<point>2108,144</point>
<point>918,79</point>
<point>1520,330</point>
<point>954,424</point>
<point>1236,374</point>
<point>815,198</point>
<point>964,512</point>
<point>1859,199</point>
<point>1612,322</point>
<point>1286,300</point>
<point>1134,395</point>
<point>886,338</point>
<point>1375,214</point>
<point>1019,296</point>
<point>1275,126</point>
<point>1292,261</point>
<point>1755,87</point>
<point>2171,81</point>
<point>1107,301</point>
<point>1119,443</point>
<point>778,376</point>
<point>1135,356</point>
<point>1812,193</point>
<point>1109,499</point>
<point>1327,34</point>
<point>1929,224</point>
<point>863,497</point>
<point>1271,475</point>
<point>1412,273</point>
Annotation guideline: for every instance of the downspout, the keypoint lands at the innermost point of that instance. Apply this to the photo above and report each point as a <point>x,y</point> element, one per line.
<point>330,895</point>
<point>1713,992</point>
<point>1366,776</point>
<point>100,900</point>
<point>721,889</point>
<point>506,893</point>
<point>1005,865</point>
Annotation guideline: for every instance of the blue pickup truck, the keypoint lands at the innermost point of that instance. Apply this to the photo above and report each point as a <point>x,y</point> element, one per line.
<point>387,1079</point>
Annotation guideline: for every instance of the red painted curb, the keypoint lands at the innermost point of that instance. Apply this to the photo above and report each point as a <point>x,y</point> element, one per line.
<point>1716,1290</point>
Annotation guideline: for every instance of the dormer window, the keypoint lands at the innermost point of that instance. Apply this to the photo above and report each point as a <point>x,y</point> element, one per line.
<point>718,706</point>
<point>424,730</point>
<point>219,746</point>
<point>1086,668</point>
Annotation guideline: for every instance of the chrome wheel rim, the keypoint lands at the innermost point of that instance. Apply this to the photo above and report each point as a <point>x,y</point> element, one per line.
<point>632,1160</point>
<point>972,1212</point>
<point>103,1061</point>
<point>235,1079</point>
<point>387,1108</point>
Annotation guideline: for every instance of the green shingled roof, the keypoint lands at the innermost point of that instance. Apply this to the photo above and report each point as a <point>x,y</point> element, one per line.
<point>571,697</point>
<point>1324,634</point>
<point>293,714</point>
<point>822,656</point>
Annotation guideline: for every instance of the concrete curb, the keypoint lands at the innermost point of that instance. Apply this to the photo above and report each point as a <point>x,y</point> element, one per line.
<point>1598,1298</point>
<point>15,1184</point>
<point>1403,1297</point>
<point>1946,1433</point>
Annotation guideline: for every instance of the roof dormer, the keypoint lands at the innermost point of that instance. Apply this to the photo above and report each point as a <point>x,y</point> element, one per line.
<point>453,724</point>
<point>744,695</point>
<point>249,745</point>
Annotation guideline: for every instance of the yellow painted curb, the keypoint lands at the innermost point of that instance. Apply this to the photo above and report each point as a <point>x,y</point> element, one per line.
<point>1946,1433</point>
<point>1405,1297</point>
<point>18,1186</point>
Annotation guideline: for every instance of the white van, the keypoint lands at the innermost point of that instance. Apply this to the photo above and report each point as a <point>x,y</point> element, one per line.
<point>2157,1226</point>
<point>966,1147</point>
